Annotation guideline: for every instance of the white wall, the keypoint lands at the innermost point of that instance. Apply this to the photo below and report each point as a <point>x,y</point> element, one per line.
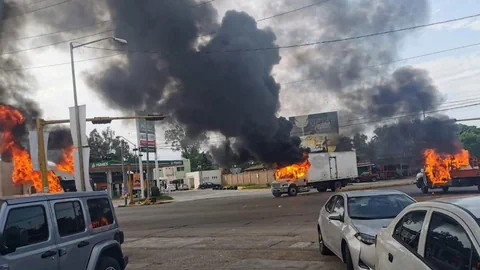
<point>214,176</point>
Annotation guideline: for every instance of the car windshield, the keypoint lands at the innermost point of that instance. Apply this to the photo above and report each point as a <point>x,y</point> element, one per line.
<point>377,206</point>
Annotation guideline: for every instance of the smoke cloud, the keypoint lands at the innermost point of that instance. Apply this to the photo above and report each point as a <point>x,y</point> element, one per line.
<point>236,94</point>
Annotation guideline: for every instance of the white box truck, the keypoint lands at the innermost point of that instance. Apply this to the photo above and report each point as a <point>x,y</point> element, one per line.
<point>332,170</point>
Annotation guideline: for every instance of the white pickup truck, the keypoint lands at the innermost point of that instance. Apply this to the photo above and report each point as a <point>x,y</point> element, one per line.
<point>332,170</point>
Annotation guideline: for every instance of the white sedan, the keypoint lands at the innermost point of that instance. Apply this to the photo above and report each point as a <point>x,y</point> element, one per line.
<point>440,235</point>
<point>349,222</point>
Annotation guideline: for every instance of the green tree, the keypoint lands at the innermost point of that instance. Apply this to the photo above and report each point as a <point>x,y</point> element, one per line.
<point>104,145</point>
<point>190,148</point>
<point>470,138</point>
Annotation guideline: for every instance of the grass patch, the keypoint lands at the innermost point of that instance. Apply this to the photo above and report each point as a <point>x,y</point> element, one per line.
<point>254,186</point>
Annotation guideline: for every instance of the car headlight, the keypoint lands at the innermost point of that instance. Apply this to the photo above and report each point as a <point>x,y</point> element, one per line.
<point>365,238</point>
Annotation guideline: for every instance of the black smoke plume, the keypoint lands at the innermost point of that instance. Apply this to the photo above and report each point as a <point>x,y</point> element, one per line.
<point>14,83</point>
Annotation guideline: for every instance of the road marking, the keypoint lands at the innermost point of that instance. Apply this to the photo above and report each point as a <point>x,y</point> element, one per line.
<point>301,245</point>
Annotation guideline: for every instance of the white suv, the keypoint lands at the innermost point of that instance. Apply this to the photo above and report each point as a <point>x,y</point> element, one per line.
<point>442,234</point>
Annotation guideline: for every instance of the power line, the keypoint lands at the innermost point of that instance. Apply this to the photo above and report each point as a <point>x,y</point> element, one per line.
<point>391,62</point>
<point>56,43</point>
<point>38,9</point>
<point>412,114</point>
<point>450,103</point>
<point>83,27</point>
<point>291,11</point>
<point>60,31</point>
<point>299,45</point>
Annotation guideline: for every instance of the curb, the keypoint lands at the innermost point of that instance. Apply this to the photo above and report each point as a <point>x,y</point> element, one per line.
<point>137,205</point>
<point>379,186</point>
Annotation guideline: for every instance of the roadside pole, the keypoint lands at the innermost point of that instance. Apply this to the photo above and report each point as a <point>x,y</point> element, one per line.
<point>40,124</point>
<point>41,156</point>
<point>124,180</point>
<point>130,185</point>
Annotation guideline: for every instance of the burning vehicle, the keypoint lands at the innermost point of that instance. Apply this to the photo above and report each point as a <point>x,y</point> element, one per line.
<point>12,120</point>
<point>448,170</point>
<point>329,170</point>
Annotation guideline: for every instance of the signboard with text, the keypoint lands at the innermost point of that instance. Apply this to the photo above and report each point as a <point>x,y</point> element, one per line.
<point>146,134</point>
<point>319,132</point>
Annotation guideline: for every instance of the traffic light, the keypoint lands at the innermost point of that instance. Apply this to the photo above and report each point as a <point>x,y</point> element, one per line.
<point>155,117</point>
<point>101,120</point>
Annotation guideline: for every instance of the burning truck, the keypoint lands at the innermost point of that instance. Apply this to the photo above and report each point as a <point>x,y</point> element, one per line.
<point>328,170</point>
<point>448,170</point>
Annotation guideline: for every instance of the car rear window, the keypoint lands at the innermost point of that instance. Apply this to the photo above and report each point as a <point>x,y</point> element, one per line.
<point>377,207</point>
<point>100,212</point>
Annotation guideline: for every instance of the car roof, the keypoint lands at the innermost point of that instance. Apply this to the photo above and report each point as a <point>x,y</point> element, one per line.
<point>471,204</point>
<point>51,196</point>
<point>371,192</point>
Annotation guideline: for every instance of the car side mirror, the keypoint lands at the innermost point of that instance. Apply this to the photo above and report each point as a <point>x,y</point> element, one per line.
<point>335,216</point>
<point>7,248</point>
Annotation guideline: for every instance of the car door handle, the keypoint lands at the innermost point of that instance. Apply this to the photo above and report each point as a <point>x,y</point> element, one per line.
<point>48,254</point>
<point>83,244</point>
<point>390,257</point>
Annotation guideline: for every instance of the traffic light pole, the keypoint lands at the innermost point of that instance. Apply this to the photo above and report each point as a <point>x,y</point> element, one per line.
<point>40,124</point>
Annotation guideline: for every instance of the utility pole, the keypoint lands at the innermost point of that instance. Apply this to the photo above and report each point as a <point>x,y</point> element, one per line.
<point>41,156</point>
<point>148,162</point>
<point>123,171</point>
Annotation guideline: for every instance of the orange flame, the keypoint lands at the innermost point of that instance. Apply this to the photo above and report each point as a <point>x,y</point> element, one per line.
<point>103,222</point>
<point>294,171</point>
<point>438,166</point>
<point>22,164</point>
<point>66,164</point>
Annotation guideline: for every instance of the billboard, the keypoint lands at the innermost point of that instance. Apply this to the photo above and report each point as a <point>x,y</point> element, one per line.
<point>319,132</point>
<point>146,134</point>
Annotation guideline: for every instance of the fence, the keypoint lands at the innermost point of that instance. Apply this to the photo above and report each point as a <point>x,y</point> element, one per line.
<point>246,178</point>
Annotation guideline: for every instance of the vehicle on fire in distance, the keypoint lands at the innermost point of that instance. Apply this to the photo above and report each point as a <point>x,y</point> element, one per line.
<point>72,230</point>
<point>206,185</point>
<point>440,234</point>
<point>348,222</point>
<point>466,176</point>
<point>328,170</point>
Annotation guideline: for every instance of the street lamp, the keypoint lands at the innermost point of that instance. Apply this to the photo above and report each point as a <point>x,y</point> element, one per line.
<point>77,113</point>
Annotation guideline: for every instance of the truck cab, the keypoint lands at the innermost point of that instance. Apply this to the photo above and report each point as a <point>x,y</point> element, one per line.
<point>289,186</point>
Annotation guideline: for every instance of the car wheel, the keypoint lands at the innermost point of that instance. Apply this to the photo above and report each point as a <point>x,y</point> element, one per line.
<point>348,257</point>
<point>107,263</point>
<point>321,189</point>
<point>277,194</point>
<point>445,189</point>
<point>357,180</point>
<point>374,179</point>
<point>323,249</point>
<point>424,189</point>
<point>292,191</point>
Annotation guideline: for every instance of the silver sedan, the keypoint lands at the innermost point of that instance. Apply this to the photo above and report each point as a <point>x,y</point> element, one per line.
<point>349,221</point>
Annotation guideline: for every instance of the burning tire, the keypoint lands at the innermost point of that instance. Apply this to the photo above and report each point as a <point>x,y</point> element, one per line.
<point>107,263</point>
<point>292,190</point>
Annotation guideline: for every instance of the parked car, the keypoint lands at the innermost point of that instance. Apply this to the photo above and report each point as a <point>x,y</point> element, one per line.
<point>349,221</point>
<point>443,234</point>
<point>183,187</point>
<point>206,185</point>
<point>367,177</point>
<point>71,230</point>
<point>171,187</point>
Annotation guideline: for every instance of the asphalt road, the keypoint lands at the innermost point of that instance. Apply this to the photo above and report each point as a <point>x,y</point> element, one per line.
<point>249,230</point>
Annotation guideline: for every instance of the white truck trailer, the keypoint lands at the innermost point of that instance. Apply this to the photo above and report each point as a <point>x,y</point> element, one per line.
<point>332,170</point>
